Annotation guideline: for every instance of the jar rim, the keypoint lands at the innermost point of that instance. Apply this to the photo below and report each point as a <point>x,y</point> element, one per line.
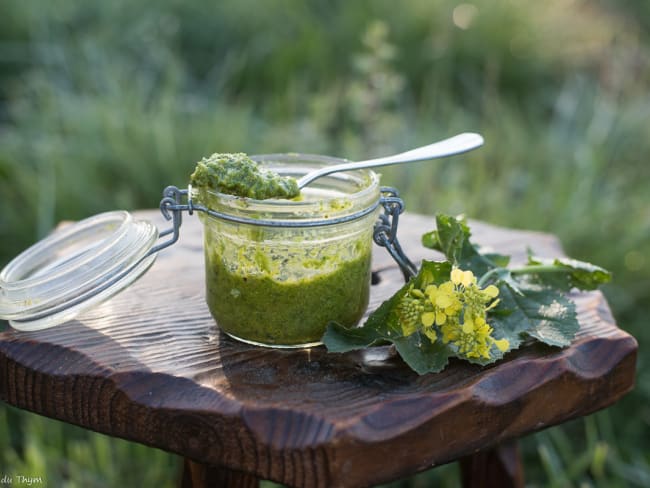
<point>336,197</point>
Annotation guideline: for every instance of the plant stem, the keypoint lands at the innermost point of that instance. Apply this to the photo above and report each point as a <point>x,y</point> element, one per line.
<point>530,269</point>
<point>486,277</point>
<point>538,268</point>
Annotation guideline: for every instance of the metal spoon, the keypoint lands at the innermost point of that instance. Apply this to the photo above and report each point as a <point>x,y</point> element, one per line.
<point>447,147</point>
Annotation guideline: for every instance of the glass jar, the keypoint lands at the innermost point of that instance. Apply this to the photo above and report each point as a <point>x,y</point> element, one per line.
<point>277,271</point>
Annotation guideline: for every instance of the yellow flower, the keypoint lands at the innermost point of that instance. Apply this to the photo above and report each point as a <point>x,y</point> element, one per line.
<point>430,332</point>
<point>474,340</point>
<point>438,309</point>
<point>443,302</point>
<point>450,330</point>
<point>502,344</point>
<point>491,291</point>
<point>460,277</point>
<point>441,317</point>
<point>409,311</point>
<point>442,296</point>
<point>456,276</point>
<point>478,301</point>
<point>468,325</point>
<point>428,318</point>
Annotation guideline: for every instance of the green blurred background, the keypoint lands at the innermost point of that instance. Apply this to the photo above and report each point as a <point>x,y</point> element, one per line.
<point>103,104</point>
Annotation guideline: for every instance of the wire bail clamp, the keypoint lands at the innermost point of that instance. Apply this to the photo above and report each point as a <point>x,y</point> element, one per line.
<point>385,231</point>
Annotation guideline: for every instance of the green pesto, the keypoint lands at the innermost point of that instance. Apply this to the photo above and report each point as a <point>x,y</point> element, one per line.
<point>260,309</point>
<point>237,174</point>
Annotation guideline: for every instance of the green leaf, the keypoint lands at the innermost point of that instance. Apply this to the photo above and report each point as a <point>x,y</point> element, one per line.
<point>497,275</point>
<point>421,354</point>
<point>496,260</point>
<point>535,311</point>
<point>376,329</point>
<point>339,338</point>
<point>432,272</point>
<point>382,325</point>
<point>531,303</point>
<point>452,238</point>
<point>566,273</point>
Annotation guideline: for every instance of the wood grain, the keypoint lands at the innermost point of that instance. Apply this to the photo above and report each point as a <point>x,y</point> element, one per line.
<point>150,366</point>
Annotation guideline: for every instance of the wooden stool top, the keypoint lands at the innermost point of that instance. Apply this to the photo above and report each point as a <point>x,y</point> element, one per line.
<point>150,366</point>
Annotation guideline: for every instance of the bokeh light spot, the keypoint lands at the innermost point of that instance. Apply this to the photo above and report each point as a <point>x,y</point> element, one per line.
<point>464,15</point>
<point>634,260</point>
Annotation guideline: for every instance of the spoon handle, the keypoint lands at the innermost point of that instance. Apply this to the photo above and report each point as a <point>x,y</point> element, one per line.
<point>447,147</point>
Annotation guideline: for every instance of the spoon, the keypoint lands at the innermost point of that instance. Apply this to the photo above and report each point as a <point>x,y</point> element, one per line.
<point>447,147</point>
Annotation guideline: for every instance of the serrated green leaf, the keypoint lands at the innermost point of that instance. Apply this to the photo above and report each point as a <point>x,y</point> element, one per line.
<point>421,354</point>
<point>569,273</point>
<point>452,238</point>
<point>377,328</point>
<point>496,260</point>
<point>480,264</point>
<point>539,312</point>
<point>531,304</point>
<point>339,338</point>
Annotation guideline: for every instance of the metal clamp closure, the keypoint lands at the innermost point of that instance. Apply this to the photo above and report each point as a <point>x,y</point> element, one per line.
<point>385,232</point>
<point>172,209</point>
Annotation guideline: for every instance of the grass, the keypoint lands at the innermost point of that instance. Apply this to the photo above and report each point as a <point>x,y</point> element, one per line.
<point>63,455</point>
<point>103,104</point>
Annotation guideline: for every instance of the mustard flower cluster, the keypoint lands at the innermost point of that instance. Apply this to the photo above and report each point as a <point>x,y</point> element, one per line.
<point>454,311</point>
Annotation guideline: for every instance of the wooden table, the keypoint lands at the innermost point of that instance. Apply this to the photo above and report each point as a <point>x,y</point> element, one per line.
<point>150,366</point>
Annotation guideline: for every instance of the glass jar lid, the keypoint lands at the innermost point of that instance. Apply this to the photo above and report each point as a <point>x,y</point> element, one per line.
<point>75,268</point>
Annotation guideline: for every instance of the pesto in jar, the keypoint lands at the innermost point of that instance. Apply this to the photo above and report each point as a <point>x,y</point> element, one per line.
<point>263,309</point>
<point>237,174</point>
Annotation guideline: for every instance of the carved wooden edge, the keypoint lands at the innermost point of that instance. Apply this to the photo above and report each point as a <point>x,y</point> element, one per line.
<point>350,456</point>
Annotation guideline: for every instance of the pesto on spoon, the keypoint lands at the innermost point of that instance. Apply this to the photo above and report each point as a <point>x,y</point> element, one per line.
<point>237,174</point>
